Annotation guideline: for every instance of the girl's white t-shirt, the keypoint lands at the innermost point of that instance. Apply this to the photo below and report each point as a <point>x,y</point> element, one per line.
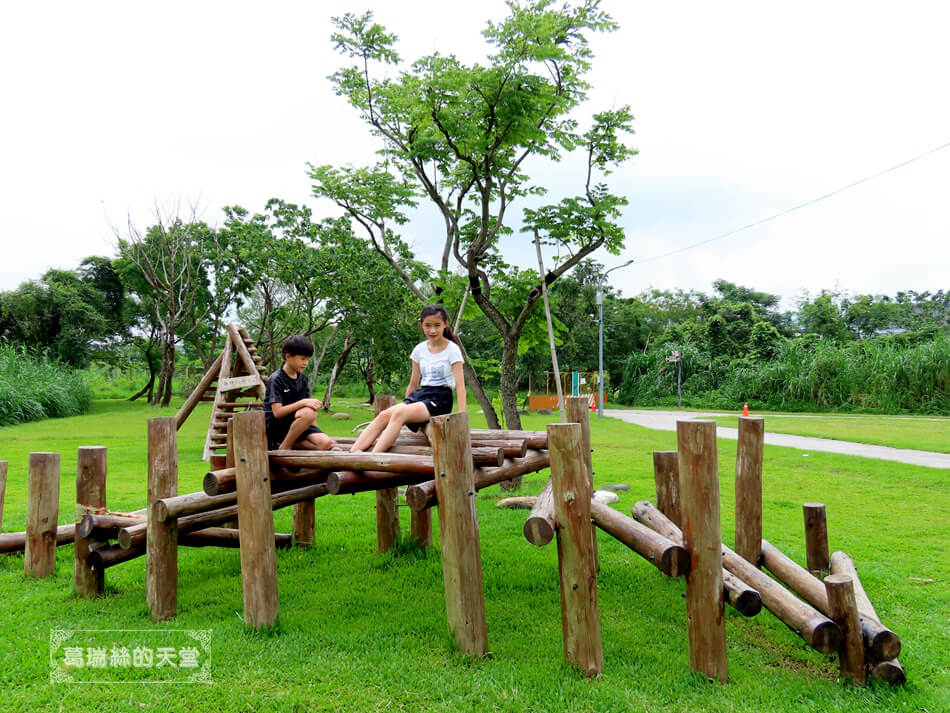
<point>436,369</point>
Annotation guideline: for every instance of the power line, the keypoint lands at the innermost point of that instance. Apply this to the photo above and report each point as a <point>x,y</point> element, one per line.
<point>796,207</point>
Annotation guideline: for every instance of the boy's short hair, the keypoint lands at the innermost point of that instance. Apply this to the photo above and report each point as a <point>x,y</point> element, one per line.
<point>295,345</point>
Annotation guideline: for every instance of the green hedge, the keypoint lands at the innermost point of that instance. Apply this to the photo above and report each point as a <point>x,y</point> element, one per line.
<point>890,375</point>
<point>35,387</point>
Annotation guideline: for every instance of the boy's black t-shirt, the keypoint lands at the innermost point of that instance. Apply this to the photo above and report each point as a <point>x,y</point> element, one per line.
<point>281,389</point>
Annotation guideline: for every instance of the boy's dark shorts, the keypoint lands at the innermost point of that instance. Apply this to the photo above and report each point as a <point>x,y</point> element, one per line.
<point>438,400</point>
<point>277,430</point>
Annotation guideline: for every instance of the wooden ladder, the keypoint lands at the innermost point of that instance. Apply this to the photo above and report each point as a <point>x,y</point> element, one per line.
<point>232,379</point>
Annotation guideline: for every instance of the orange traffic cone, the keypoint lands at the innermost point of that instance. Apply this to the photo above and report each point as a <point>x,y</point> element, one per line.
<point>745,409</point>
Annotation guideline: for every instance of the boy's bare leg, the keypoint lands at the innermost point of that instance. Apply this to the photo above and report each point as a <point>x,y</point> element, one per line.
<point>303,419</point>
<point>402,414</point>
<point>316,442</point>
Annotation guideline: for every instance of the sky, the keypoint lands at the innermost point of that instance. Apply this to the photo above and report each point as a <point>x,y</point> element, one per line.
<point>743,110</point>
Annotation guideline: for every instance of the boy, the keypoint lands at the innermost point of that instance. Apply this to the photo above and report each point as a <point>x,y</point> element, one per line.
<point>290,413</point>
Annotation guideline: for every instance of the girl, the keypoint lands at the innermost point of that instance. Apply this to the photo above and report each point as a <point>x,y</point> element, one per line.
<point>437,363</point>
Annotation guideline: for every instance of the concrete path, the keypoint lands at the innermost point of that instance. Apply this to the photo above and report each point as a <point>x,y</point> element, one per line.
<point>666,421</point>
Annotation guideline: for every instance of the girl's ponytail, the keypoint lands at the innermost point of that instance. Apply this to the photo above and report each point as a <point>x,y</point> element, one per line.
<point>449,334</point>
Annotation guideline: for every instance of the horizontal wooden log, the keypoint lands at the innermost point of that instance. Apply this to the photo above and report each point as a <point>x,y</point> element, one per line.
<point>481,455</point>
<point>241,404</point>
<point>517,502</point>
<point>16,541</point>
<point>181,505</point>
<point>106,526</point>
<point>226,537</point>
<point>817,630</point>
<point>239,382</point>
<point>222,481</point>
<point>341,460</point>
<point>345,482</point>
<point>881,643</point>
<point>422,496</point>
<point>130,537</point>
<point>743,598</point>
<point>671,559</point>
<point>891,672</point>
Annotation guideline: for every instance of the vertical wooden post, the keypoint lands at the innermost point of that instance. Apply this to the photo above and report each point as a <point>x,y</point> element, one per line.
<point>90,490</point>
<point>304,516</point>
<point>258,552</point>
<point>3,488</point>
<point>576,409</point>
<point>387,499</point>
<point>570,482</point>
<point>228,460</point>
<point>420,527</point>
<point>666,475</point>
<point>844,613</point>
<point>702,537</point>
<point>41,514</point>
<point>458,531</point>
<point>749,488</point>
<point>816,538</point>
<point>161,539</point>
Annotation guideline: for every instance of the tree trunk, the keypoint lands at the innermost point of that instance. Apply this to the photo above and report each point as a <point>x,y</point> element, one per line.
<point>164,395</point>
<point>371,377</point>
<point>149,388</point>
<point>509,381</point>
<point>348,345</point>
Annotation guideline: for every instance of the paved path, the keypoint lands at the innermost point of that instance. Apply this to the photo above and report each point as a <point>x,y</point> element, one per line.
<point>666,421</point>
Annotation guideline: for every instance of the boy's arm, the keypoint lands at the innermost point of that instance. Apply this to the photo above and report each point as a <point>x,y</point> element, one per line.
<point>459,385</point>
<point>283,410</point>
<point>414,378</point>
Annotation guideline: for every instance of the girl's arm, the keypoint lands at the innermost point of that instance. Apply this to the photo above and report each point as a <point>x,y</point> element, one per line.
<point>414,378</point>
<point>459,385</point>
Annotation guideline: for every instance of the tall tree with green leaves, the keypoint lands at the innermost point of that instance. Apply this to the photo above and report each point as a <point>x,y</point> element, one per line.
<point>461,136</point>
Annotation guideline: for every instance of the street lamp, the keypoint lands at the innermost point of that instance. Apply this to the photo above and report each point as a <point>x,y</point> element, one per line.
<point>600,307</point>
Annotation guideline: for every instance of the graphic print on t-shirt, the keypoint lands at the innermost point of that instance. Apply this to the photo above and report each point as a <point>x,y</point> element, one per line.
<point>434,373</point>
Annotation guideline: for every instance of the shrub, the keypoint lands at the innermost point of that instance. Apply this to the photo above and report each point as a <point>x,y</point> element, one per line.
<point>34,387</point>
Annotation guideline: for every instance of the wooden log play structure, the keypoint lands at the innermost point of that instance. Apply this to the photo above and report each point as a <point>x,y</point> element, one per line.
<point>445,466</point>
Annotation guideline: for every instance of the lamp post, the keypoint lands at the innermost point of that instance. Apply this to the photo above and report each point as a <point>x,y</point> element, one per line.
<point>600,308</point>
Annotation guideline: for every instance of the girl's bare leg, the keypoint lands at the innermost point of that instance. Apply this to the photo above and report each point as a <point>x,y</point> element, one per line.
<point>369,434</point>
<point>401,414</point>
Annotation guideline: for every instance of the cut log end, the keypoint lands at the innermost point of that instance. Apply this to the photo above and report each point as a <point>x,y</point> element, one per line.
<point>538,531</point>
<point>826,637</point>
<point>885,645</point>
<point>748,603</point>
<point>891,672</point>
<point>675,561</point>
<point>210,484</point>
<point>416,497</point>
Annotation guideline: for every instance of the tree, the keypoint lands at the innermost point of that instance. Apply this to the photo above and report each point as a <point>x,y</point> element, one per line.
<point>461,137</point>
<point>69,313</point>
<point>171,258</point>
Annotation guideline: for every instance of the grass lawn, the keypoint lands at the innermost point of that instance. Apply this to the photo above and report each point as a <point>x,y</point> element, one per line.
<point>363,632</point>
<point>919,433</point>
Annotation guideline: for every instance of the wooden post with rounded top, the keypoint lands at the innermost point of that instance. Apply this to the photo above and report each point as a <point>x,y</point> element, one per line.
<point>458,532</point>
<point>844,612</point>
<point>666,476</point>
<point>702,537</point>
<point>161,540</point>
<point>254,504</point>
<point>387,499</point>
<point>41,514</point>
<point>90,491</point>
<point>577,410</point>
<point>816,538</point>
<point>749,488</point>
<point>161,543</point>
<point>570,485</point>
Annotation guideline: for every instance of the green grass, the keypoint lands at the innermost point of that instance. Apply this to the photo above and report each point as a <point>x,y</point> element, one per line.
<point>919,433</point>
<point>363,632</point>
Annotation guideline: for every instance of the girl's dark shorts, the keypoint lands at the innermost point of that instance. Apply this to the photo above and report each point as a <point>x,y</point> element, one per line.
<point>438,400</point>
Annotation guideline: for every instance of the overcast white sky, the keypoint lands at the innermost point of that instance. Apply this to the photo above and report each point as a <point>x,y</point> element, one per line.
<point>743,110</point>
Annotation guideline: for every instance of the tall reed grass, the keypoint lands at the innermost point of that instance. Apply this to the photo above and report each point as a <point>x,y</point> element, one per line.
<point>33,387</point>
<point>881,375</point>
